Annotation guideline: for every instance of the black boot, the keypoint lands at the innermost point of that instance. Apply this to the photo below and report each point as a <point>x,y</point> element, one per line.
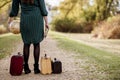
<point>36,68</point>
<point>26,69</point>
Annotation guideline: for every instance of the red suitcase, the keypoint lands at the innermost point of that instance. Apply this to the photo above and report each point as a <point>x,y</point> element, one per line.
<point>16,65</point>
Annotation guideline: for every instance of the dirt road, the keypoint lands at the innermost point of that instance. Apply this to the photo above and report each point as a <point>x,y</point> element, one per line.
<point>71,68</point>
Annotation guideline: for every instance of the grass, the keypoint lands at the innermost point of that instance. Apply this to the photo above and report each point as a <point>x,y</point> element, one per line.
<point>7,43</point>
<point>103,61</point>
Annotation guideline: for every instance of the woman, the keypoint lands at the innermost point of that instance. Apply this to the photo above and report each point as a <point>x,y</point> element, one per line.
<point>33,15</point>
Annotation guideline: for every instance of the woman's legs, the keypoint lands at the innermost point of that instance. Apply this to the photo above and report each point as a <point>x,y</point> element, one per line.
<point>26,57</point>
<point>36,57</point>
<point>36,52</point>
<point>26,51</point>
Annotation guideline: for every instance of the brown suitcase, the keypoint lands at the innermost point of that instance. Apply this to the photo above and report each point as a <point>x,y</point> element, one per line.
<point>46,66</point>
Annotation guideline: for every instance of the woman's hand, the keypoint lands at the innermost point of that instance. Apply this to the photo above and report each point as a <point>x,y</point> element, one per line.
<point>46,22</point>
<point>46,30</point>
<point>47,26</point>
<point>10,20</point>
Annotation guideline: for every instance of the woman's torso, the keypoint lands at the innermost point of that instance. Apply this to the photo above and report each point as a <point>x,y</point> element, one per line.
<point>28,9</point>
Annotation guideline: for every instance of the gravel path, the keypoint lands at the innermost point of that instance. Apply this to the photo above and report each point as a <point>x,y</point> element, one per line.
<point>71,65</point>
<point>74,68</point>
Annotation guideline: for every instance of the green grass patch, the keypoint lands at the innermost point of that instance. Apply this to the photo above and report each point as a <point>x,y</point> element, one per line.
<point>7,44</point>
<point>103,61</point>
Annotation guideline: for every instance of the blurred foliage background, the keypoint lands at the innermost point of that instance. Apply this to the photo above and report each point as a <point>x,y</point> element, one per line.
<point>85,15</point>
<point>4,10</point>
<point>99,17</point>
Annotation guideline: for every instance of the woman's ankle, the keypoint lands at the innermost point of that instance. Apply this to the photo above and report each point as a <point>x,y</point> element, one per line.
<point>36,68</point>
<point>26,69</point>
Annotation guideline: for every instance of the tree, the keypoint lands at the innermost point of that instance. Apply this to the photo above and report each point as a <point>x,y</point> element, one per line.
<point>101,9</point>
<point>105,8</point>
<point>4,10</point>
<point>69,8</point>
<point>86,13</point>
<point>4,3</point>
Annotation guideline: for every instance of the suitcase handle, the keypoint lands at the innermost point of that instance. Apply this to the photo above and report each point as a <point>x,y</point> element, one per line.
<point>19,54</point>
<point>45,55</point>
<point>55,59</point>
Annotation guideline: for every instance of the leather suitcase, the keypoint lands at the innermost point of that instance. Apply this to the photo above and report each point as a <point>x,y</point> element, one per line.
<point>16,65</point>
<point>46,66</point>
<point>56,66</point>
